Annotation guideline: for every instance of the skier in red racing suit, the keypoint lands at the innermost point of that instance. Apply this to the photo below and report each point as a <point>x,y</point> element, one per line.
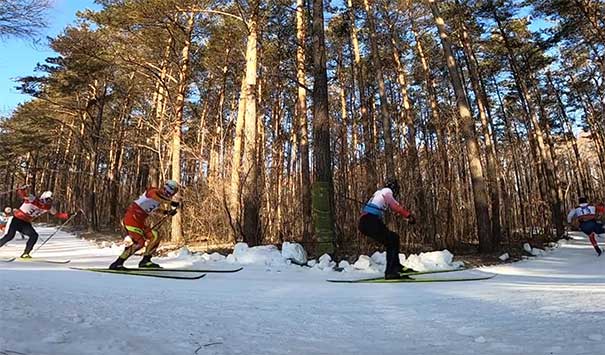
<point>31,208</point>
<point>139,234</point>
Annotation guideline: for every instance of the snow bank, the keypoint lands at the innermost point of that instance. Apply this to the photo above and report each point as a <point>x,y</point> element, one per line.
<point>504,257</point>
<point>295,252</point>
<point>433,261</point>
<point>325,263</point>
<point>262,255</point>
<point>371,265</point>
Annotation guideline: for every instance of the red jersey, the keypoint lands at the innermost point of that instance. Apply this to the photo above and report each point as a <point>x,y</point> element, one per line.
<point>33,207</point>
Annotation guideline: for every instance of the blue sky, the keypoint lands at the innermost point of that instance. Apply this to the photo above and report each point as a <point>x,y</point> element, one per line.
<point>18,57</point>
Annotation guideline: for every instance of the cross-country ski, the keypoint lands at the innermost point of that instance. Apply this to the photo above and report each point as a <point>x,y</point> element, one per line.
<point>175,275</point>
<point>254,177</point>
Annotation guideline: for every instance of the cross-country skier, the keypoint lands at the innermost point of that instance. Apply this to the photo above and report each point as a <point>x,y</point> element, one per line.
<point>139,234</point>
<point>586,216</point>
<point>31,208</point>
<point>371,224</point>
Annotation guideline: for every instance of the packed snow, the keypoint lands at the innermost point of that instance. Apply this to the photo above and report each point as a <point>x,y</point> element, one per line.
<point>551,303</point>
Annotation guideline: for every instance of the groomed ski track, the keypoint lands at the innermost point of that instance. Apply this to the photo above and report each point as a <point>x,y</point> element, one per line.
<point>554,304</point>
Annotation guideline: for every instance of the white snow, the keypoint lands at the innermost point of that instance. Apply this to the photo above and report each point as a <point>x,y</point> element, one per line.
<point>379,258</point>
<point>552,304</point>
<point>435,260</point>
<point>527,247</point>
<point>294,251</point>
<point>504,257</point>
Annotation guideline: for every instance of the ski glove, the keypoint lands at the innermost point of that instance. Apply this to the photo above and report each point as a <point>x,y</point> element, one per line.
<point>170,212</point>
<point>411,219</point>
<point>175,204</point>
<point>62,215</point>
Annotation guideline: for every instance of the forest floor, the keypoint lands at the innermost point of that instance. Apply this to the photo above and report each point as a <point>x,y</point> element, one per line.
<point>547,305</point>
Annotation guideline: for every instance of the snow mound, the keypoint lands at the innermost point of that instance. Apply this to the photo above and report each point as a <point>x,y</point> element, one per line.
<point>212,257</point>
<point>533,251</point>
<point>527,247</point>
<point>346,266</point>
<point>504,257</point>
<point>295,252</point>
<point>380,258</point>
<point>433,261</point>
<point>262,255</point>
<point>182,253</point>
<point>325,263</point>
<point>366,264</point>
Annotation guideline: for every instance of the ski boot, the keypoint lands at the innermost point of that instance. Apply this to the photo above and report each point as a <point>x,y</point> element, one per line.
<point>598,250</point>
<point>118,264</point>
<point>25,256</point>
<point>147,263</point>
<point>396,276</point>
<point>405,270</point>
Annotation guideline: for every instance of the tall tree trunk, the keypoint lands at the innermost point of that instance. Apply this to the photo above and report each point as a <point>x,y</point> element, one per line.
<point>493,168</point>
<point>236,168</point>
<point>301,111</point>
<point>183,81</point>
<point>323,190</point>
<point>250,186</point>
<point>486,241</point>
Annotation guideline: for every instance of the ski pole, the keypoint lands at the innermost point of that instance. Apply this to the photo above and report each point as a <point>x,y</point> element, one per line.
<point>162,220</point>
<point>57,231</point>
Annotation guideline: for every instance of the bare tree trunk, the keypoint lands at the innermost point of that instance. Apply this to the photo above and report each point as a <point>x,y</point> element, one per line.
<point>493,168</point>
<point>323,194</point>
<point>250,187</point>
<point>486,241</point>
<point>183,80</point>
<point>236,168</point>
<point>301,110</point>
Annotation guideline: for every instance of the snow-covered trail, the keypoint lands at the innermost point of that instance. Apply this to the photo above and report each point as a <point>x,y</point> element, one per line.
<point>550,305</point>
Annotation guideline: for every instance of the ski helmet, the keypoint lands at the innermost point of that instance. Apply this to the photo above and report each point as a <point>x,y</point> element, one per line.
<point>392,184</point>
<point>171,187</point>
<point>582,200</point>
<point>46,196</point>
<point>8,210</point>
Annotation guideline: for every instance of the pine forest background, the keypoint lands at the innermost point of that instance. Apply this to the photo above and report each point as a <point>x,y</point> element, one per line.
<point>280,117</point>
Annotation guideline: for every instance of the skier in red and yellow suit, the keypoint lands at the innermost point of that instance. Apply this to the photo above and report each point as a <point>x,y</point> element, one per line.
<point>139,234</point>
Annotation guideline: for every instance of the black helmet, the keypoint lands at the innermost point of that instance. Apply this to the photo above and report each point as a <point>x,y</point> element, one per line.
<point>583,200</point>
<point>392,184</point>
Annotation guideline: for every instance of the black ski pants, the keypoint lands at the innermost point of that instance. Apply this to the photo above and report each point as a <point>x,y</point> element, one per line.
<point>372,226</point>
<point>24,227</point>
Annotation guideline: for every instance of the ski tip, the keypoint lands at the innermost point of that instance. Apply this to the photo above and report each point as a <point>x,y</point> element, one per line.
<point>7,260</point>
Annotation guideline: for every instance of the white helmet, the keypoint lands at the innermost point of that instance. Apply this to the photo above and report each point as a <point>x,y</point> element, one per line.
<point>171,187</point>
<point>8,210</point>
<point>46,196</point>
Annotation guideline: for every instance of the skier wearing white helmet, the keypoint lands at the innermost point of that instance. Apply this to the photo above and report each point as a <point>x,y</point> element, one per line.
<point>31,208</point>
<point>139,234</point>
